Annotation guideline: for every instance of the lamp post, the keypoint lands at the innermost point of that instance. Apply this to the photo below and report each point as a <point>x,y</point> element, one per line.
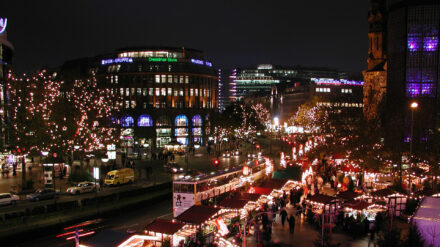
<point>413,106</point>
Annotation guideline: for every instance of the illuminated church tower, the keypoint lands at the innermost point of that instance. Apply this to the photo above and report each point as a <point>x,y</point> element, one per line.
<point>376,74</point>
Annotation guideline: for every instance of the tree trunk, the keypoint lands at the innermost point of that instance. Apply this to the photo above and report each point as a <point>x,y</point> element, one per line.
<point>23,173</point>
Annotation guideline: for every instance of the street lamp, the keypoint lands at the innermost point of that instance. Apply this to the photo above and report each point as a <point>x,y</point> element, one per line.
<point>414,105</point>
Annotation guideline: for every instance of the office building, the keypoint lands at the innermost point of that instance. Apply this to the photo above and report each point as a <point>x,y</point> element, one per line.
<point>6,53</point>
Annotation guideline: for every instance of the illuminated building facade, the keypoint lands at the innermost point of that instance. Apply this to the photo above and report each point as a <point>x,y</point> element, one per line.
<point>166,94</point>
<point>345,97</point>
<point>413,69</point>
<point>6,53</point>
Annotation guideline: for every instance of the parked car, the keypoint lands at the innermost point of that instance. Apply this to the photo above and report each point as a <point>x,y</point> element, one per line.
<point>8,199</point>
<point>173,167</point>
<point>118,177</point>
<point>83,187</point>
<point>42,194</point>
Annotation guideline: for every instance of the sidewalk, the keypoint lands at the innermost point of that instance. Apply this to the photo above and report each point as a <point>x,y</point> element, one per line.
<point>304,235</point>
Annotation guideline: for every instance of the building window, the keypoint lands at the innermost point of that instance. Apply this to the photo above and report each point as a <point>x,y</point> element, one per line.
<point>181,120</point>
<point>127,92</point>
<point>139,91</point>
<point>127,121</point>
<point>145,120</point>
<point>175,92</point>
<point>127,104</point>
<point>197,121</point>
<point>186,79</point>
<point>163,78</point>
<point>133,104</point>
<point>170,91</point>
<point>157,91</point>
<point>144,91</point>
<point>121,91</point>
<point>133,90</point>
<point>346,90</point>
<point>157,78</point>
<point>191,92</point>
<point>163,121</point>
<point>175,78</point>
<point>170,79</point>
<point>196,92</point>
<point>181,79</point>
<point>145,105</point>
<point>181,92</point>
<point>116,79</point>
<point>164,91</point>
<point>151,91</point>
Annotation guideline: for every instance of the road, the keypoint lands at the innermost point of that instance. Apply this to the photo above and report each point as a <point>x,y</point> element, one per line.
<point>134,219</point>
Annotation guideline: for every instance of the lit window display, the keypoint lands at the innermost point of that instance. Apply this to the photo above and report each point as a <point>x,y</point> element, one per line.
<point>127,121</point>
<point>414,43</point>
<point>428,89</point>
<point>412,89</point>
<point>430,43</point>
<point>181,120</point>
<point>197,120</point>
<point>145,121</point>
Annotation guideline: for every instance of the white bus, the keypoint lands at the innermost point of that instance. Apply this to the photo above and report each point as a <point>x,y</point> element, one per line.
<point>192,191</point>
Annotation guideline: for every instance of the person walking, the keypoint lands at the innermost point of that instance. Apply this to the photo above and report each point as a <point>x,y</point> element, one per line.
<point>283,215</point>
<point>291,224</point>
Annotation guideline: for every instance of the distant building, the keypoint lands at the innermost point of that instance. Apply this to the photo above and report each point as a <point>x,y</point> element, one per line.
<point>280,88</point>
<point>344,97</point>
<point>413,69</point>
<point>376,74</point>
<point>166,93</point>
<point>6,53</point>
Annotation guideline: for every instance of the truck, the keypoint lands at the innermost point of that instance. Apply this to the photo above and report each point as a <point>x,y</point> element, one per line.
<point>118,177</point>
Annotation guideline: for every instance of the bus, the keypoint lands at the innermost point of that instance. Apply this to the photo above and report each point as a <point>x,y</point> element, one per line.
<point>190,191</point>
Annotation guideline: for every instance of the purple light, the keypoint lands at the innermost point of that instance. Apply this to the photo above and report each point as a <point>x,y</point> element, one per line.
<point>414,43</point>
<point>428,75</point>
<point>428,89</point>
<point>430,43</point>
<point>413,75</point>
<point>412,89</point>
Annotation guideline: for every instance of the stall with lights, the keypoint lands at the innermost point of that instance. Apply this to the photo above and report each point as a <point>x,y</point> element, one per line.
<point>166,229</point>
<point>324,204</point>
<point>360,208</point>
<point>395,201</point>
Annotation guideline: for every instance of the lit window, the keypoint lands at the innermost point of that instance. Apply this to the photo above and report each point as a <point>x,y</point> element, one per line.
<point>157,91</point>
<point>181,92</point>
<point>186,79</point>
<point>144,91</point>
<point>133,104</point>
<point>163,78</point>
<point>133,90</point>
<point>181,120</point>
<point>164,91</point>
<point>127,121</point>
<point>175,78</point>
<point>175,92</point>
<point>116,79</point>
<point>145,105</point>
<point>157,78</point>
<point>150,91</point>
<point>197,121</point>
<point>145,120</point>
<point>121,91</point>
<point>181,79</point>
<point>170,91</point>
<point>197,92</point>
<point>170,79</point>
<point>191,92</point>
<point>139,91</point>
<point>127,92</point>
<point>127,104</point>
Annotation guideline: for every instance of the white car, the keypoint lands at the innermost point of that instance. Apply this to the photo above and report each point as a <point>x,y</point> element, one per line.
<point>83,187</point>
<point>8,199</point>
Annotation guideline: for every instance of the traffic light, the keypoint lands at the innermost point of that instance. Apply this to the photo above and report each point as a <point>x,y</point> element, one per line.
<point>216,162</point>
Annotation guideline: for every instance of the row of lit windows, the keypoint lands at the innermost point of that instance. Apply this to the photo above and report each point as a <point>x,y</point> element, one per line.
<point>162,92</point>
<point>328,90</point>
<point>337,104</point>
<point>181,104</point>
<point>114,79</point>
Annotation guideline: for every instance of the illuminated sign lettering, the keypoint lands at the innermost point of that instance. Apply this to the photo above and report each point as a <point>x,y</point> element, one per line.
<point>162,59</point>
<point>3,22</point>
<point>117,60</point>
<point>335,82</point>
<point>201,62</point>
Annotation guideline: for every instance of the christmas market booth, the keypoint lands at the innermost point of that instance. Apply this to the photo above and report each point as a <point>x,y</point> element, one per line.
<point>362,209</point>
<point>323,204</point>
<point>164,229</point>
<point>394,201</point>
<point>200,218</point>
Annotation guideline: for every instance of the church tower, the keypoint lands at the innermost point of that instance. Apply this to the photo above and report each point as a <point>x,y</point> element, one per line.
<point>376,74</point>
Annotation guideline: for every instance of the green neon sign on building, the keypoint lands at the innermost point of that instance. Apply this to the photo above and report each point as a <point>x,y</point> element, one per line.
<point>162,59</point>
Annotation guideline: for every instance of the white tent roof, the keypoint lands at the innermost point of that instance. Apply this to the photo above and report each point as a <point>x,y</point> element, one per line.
<point>427,219</point>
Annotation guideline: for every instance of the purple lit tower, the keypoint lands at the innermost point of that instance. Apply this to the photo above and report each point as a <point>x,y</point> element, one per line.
<point>413,69</point>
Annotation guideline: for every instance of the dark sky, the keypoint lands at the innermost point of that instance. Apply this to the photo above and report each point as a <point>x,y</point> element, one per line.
<point>235,33</point>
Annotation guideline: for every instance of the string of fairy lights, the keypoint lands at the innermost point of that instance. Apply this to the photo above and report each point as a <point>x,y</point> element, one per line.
<point>46,115</point>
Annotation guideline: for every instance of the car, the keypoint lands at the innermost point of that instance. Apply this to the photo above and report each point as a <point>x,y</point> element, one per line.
<point>226,154</point>
<point>8,199</point>
<point>236,152</point>
<point>42,194</point>
<point>173,167</point>
<point>83,187</point>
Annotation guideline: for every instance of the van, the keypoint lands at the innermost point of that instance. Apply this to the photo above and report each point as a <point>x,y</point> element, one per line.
<point>118,177</point>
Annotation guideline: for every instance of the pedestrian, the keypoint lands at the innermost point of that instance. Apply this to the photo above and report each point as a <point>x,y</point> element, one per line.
<point>291,224</point>
<point>283,215</point>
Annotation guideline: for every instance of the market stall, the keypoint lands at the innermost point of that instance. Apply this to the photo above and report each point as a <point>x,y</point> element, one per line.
<point>199,217</point>
<point>165,229</point>
<point>323,204</point>
<point>360,208</point>
<point>395,201</point>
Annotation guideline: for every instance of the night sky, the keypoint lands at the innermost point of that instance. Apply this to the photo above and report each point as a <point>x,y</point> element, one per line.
<point>235,33</point>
